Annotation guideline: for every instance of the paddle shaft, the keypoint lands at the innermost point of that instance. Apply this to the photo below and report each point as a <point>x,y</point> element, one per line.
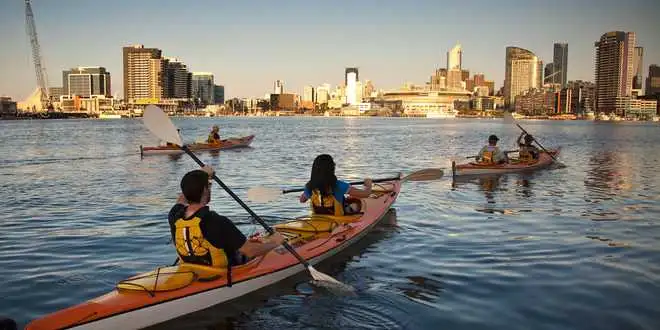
<point>247,208</point>
<point>537,142</point>
<point>351,183</point>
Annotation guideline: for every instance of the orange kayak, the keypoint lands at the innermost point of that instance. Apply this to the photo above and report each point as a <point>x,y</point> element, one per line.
<point>224,144</point>
<point>170,292</point>
<point>474,168</point>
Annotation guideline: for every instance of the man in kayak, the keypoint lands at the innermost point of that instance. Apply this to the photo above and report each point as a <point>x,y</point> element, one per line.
<point>204,237</point>
<point>528,152</point>
<point>214,136</point>
<point>491,154</point>
<point>327,193</point>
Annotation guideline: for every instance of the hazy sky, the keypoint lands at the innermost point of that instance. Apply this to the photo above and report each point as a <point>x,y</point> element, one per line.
<point>249,44</point>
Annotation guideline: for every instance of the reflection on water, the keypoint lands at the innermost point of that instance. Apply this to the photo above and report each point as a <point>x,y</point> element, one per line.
<point>519,251</point>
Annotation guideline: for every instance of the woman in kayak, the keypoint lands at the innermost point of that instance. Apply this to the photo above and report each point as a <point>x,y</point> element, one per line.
<point>491,154</point>
<point>327,193</point>
<point>204,237</point>
<point>214,136</point>
<point>528,152</point>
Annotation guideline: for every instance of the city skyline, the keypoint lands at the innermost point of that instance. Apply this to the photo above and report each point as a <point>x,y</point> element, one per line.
<point>247,50</point>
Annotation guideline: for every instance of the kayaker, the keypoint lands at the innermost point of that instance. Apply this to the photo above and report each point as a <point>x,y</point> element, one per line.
<point>214,136</point>
<point>327,193</point>
<point>204,237</point>
<point>491,154</point>
<point>528,152</point>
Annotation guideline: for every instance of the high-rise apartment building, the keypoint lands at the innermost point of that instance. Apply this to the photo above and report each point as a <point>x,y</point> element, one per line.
<point>560,64</point>
<point>86,81</point>
<point>614,70</point>
<point>219,94</point>
<point>143,72</point>
<point>653,80</point>
<point>202,87</point>
<point>323,94</point>
<point>523,71</point>
<point>455,58</point>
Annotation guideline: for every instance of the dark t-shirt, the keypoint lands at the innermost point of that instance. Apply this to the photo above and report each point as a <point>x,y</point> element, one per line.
<point>217,229</point>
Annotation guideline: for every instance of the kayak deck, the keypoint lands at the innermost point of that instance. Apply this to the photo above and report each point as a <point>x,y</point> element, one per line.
<point>169,292</point>
<point>230,143</point>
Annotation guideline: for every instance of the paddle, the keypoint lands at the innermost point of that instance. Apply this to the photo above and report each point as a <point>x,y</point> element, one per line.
<point>263,194</point>
<point>160,125</point>
<point>508,117</point>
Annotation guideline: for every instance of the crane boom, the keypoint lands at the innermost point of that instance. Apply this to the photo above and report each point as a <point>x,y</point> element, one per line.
<point>39,68</point>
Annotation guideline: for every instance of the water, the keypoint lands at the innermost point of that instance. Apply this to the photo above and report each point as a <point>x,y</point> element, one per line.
<point>564,248</point>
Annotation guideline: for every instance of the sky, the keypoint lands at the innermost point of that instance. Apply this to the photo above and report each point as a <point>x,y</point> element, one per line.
<point>248,45</point>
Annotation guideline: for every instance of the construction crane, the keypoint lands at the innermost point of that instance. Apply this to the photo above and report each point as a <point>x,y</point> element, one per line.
<point>39,68</point>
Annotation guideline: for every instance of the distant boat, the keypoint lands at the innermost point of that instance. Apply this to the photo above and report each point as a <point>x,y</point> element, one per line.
<point>109,115</point>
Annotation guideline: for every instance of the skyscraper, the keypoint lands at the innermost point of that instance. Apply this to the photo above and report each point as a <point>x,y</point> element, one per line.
<point>614,70</point>
<point>548,73</point>
<point>523,71</point>
<point>86,81</point>
<point>350,78</point>
<point>143,72</point>
<point>278,87</point>
<point>219,94</point>
<point>638,64</point>
<point>653,80</point>
<point>202,87</point>
<point>560,64</point>
<point>455,58</point>
<point>178,79</point>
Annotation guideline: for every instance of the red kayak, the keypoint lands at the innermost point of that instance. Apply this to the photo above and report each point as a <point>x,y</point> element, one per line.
<point>174,150</point>
<point>475,168</point>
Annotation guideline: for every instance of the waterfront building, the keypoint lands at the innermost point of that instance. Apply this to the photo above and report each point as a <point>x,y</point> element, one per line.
<point>614,70</point>
<point>178,80</point>
<point>143,73</point>
<point>523,71</point>
<point>351,78</point>
<point>653,80</point>
<point>202,88</point>
<point>55,93</point>
<point>638,68</point>
<point>423,103</point>
<point>219,94</point>
<point>323,94</point>
<point>309,94</point>
<point>86,81</point>
<point>7,106</point>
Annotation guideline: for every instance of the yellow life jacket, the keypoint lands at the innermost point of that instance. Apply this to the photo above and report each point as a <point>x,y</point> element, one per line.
<point>211,139</point>
<point>325,204</point>
<point>487,157</point>
<point>192,247</point>
<point>525,155</point>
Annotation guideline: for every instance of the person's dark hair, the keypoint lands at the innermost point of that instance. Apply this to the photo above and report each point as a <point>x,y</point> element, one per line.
<point>193,185</point>
<point>323,175</point>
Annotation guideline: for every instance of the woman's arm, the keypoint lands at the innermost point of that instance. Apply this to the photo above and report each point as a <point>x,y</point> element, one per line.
<point>361,193</point>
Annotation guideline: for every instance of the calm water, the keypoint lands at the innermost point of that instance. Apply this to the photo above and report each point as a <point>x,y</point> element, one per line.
<point>565,248</point>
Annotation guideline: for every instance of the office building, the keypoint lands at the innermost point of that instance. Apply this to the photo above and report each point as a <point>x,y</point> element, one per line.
<point>86,81</point>
<point>202,88</point>
<point>455,58</point>
<point>638,69</point>
<point>523,71</point>
<point>323,94</point>
<point>55,93</point>
<point>143,73</point>
<point>614,70</point>
<point>309,94</point>
<point>560,64</point>
<point>219,94</point>
<point>351,78</point>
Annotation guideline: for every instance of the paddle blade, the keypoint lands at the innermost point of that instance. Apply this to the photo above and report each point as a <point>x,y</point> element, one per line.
<point>426,174</point>
<point>263,194</point>
<point>160,125</point>
<point>328,282</point>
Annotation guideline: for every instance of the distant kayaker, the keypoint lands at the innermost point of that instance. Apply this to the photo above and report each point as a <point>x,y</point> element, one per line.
<point>528,152</point>
<point>204,237</point>
<point>214,136</point>
<point>327,193</point>
<point>491,154</point>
